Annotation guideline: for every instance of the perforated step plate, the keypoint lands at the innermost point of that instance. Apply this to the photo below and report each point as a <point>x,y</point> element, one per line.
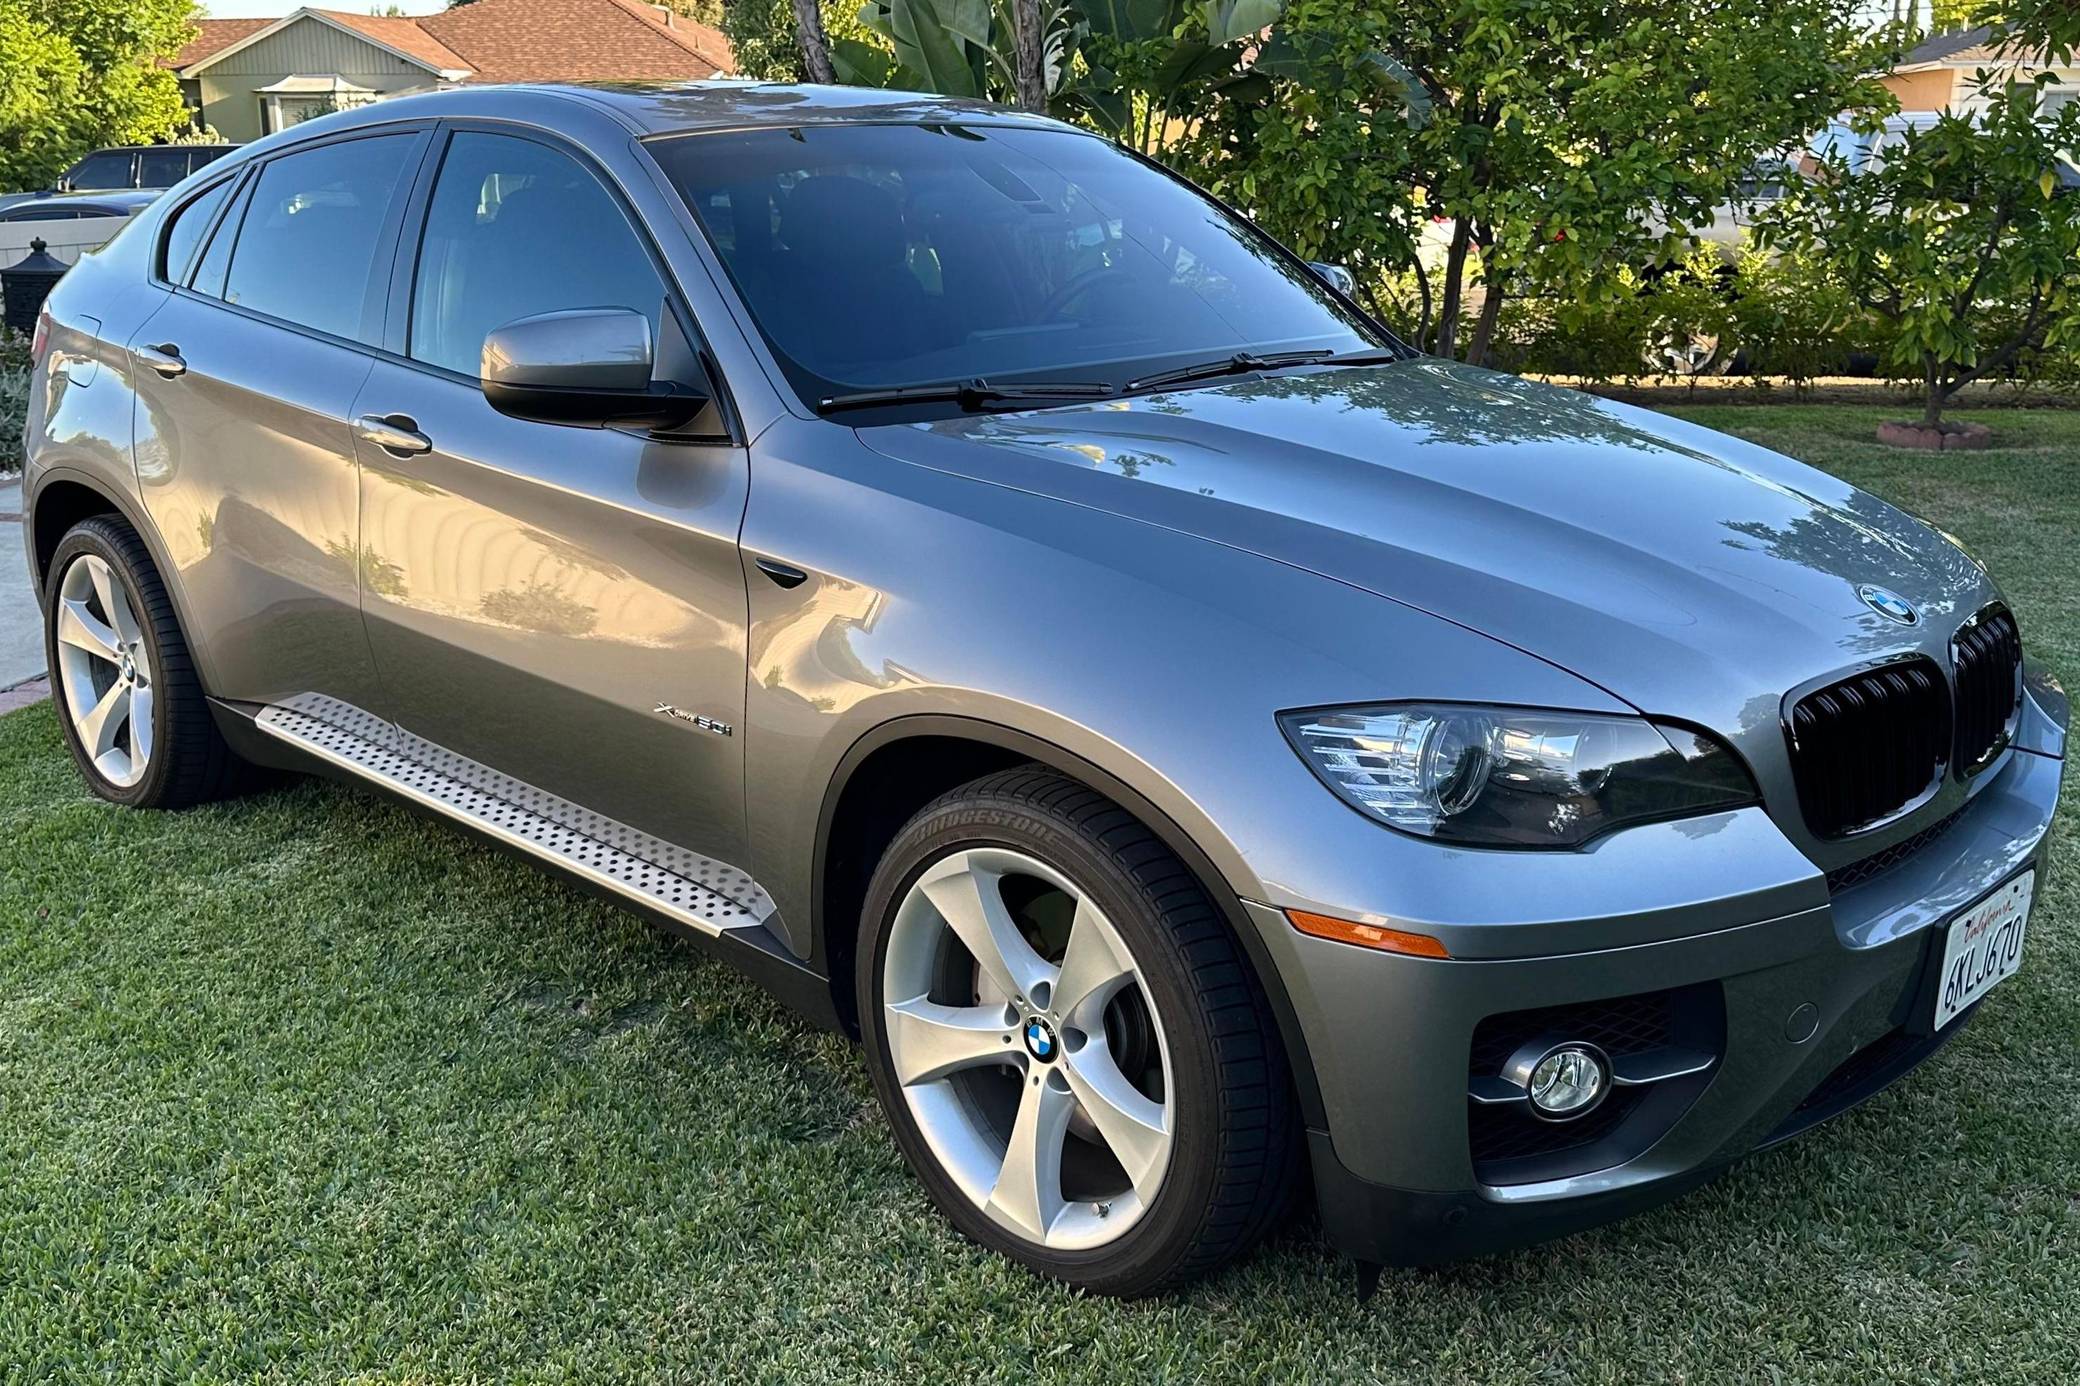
<point>704,894</point>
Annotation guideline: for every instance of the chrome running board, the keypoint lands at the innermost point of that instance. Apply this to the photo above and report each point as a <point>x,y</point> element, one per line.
<point>705,895</point>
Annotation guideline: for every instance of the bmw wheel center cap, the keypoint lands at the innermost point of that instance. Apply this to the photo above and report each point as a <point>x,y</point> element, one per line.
<point>1040,1040</point>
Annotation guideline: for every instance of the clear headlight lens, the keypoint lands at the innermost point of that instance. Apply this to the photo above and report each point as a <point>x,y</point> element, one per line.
<point>1514,777</point>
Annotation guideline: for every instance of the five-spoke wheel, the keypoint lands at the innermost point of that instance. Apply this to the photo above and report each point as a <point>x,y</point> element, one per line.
<point>131,702</point>
<point>1026,1046</point>
<point>104,670</point>
<point>1074,1056</point>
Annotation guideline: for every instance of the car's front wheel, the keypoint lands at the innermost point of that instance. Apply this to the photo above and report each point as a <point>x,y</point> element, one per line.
<point>127,691</point>
<point>1071,1049</point>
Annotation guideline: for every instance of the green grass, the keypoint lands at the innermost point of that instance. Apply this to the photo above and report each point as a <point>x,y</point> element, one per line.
<point>305,1087</point>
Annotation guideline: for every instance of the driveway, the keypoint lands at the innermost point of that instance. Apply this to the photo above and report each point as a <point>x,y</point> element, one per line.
<point>21,632</point>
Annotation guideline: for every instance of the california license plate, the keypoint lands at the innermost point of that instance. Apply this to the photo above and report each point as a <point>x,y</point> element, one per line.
<point>1983,948</point>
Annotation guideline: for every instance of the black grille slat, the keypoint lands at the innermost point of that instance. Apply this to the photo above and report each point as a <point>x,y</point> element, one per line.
<point>1987,654</point>
<point>1868,746</point>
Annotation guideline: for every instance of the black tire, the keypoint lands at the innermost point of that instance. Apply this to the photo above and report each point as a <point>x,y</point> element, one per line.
<point>190,763</point>
<point>1235,1149</point>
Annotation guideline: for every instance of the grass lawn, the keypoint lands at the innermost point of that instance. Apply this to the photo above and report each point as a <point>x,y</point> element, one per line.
<point>306,1087</point>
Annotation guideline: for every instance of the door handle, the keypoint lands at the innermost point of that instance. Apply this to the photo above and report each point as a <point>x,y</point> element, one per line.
<point>397,434</point>
<point>164,358</point>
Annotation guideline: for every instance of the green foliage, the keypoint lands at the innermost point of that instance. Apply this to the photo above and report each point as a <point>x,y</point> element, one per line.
<point>1563,138</point>
<point>75,74</point>
<point>1958,240</point>
<point>762,35</point>
<point>1314,140</point>
<point>14,398</point>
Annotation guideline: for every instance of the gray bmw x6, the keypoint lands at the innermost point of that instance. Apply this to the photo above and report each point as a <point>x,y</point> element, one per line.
<point>1020,614</point>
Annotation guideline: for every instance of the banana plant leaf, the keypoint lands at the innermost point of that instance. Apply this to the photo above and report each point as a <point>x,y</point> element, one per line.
<point>1132,21</point>
<point>1229,20</point>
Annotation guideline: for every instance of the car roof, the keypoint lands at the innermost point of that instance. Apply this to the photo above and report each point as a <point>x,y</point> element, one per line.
<point>129,199</point>
<point>662,108</point>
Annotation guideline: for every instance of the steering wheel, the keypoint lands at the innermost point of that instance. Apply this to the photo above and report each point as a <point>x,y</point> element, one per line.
<point>1079,286</point>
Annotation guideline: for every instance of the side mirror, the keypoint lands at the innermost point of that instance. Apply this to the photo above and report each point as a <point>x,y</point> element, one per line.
<point>584,367</point>
<point>1336,277</point>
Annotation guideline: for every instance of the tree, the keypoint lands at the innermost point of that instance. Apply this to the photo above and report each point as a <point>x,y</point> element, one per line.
<point>79,73</point>
<point>816,49</point>
<point>766,40</point>
<point>1961,239</point>
<point>1564,138</point>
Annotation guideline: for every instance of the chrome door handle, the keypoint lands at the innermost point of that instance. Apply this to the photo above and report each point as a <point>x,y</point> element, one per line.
<point>164,358</point>
<point>397,434</point>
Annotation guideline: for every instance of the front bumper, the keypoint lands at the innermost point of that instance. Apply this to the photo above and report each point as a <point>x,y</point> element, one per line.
<point>1811,1012</point>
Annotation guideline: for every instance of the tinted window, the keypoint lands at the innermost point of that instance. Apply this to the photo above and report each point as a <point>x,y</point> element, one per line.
<point>184,232</point>
<point>106,170</point>
<point>883,255</point>
<point>312,231</point>
<point>161,168</point>
<point>516,228</point>
<point>210,153</point>
<point>42,214</point>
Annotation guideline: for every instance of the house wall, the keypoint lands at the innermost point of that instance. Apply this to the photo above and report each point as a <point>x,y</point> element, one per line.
<point>1922,91</point>
<point>307,48</point>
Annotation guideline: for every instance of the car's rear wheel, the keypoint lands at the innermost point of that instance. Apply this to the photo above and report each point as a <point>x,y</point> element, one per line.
<point>1070,1047</point>
<point>127,691</point>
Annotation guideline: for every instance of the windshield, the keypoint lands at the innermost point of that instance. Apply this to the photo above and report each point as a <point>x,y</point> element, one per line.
<point>881,256</point>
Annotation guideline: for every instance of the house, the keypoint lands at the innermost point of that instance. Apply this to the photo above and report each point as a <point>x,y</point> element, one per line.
<point>251,77</point>
<point>1938,74</point>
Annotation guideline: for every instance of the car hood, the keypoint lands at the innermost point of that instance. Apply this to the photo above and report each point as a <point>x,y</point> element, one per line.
<point>1691,574</point>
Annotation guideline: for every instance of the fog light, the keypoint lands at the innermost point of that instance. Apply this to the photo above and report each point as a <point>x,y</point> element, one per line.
<point>1569,1081</point>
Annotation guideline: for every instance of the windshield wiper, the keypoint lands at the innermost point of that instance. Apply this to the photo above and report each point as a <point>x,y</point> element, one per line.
<point>1241,363</point>
<point>1372,356</point>
<point>969,394</point>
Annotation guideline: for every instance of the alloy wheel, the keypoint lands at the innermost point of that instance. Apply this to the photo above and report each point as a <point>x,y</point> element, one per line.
<point>1027,1048</point>
<point>104,670</point>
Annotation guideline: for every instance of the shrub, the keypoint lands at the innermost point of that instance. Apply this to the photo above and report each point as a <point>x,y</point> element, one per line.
<point>14,398</point>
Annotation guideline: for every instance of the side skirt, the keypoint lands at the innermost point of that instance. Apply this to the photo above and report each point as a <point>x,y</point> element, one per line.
<point>713,904</point>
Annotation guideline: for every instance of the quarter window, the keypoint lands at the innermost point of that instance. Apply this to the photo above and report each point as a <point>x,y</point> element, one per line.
<point>184,232</point>
<point>516,228</point>
<point>312,231</point>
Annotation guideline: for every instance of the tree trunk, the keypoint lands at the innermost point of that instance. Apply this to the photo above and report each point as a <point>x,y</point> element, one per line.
<point>816,49</point>
<point>1447,344</point>
<point>1932,406</point>
<point>1031,60</point>
<point>1484,325</point>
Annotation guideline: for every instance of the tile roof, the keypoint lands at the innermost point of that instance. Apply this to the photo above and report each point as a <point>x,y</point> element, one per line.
<point>522,41</point>
<point>1968,46</point>
<point>407,36</point>
<point>577,41</point>
<point>214,34</point>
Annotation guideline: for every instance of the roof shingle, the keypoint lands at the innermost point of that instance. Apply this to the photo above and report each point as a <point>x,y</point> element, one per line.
<point>212,35</point>
<point>522,41</point>
<point>577,41</point>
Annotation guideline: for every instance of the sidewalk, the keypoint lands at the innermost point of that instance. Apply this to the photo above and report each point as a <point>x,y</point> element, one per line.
<point>21,628</point>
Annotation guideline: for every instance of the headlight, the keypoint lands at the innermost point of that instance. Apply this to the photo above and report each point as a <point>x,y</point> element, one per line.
<point>1514,777</point>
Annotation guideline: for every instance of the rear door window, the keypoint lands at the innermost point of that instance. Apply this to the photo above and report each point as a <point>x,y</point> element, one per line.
<point>313,231</point>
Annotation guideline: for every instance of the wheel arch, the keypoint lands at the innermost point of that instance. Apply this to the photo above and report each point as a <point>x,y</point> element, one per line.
<point>63,496</point>
<point>926,754</point>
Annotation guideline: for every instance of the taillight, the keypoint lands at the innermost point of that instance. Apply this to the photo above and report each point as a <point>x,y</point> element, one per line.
<point>41,337</point>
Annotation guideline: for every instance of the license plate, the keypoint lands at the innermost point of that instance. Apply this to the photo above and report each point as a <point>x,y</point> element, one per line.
<point>1983,948</point>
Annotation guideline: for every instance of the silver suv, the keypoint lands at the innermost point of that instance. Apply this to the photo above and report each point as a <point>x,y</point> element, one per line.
<point>1000,600</point>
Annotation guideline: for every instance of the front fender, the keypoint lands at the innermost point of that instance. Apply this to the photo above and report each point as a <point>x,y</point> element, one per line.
<point>1156,657</point>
